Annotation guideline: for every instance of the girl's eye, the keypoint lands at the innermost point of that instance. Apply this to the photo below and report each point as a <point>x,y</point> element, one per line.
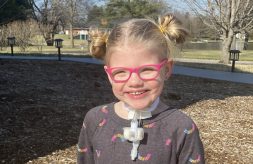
<point>147,70</point>
<point>119,72</point>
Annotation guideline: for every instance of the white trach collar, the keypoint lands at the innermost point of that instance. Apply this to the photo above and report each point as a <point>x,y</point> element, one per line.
<point>141,114</point>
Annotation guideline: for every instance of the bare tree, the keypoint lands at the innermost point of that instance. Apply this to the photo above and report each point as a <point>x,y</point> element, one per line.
<point>77,11</point>
<point>48,15</point>
<point>71,9</point>
<point>3,36</point>
<point>76,14</point>
<point>24,32</point>
<point>228,17</point>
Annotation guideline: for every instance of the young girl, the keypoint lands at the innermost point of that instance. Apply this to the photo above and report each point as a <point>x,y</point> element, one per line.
<point>139,128</point>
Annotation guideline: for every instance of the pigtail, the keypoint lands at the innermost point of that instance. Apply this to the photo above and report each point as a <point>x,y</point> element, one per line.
<point>172,28</point>
<point>98,43</point>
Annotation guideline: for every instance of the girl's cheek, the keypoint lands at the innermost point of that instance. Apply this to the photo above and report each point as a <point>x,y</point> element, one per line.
<point>117,88</point>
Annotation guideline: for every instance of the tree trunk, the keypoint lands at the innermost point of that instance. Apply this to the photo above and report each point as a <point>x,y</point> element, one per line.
<point>226,46</point>
<point>49,37</point>
<point>71,35</point>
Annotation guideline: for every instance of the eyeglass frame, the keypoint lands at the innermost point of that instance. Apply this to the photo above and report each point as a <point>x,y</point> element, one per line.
<point>136,70</point>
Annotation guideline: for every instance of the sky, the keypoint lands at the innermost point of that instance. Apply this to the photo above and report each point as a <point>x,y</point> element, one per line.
<point>176,4</point>
<point>38,2</point>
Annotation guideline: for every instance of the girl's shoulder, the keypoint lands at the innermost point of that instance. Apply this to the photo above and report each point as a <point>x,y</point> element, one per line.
<point>94,114</point>
<point>178,120</point>
<point>95,117</point>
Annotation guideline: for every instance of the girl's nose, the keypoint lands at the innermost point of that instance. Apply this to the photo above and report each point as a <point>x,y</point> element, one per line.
<point>135,80</point>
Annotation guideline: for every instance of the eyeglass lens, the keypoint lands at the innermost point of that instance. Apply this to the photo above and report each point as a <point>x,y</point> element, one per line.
<point>145,73</point>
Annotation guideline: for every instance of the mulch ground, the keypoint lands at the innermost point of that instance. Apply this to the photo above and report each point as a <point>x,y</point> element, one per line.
<point>43,103</point>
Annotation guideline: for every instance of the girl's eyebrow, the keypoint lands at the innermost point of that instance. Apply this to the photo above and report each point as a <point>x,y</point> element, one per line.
<point>139,66</point>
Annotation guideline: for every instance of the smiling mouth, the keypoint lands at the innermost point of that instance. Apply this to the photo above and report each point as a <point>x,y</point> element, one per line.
<point>136,93</point>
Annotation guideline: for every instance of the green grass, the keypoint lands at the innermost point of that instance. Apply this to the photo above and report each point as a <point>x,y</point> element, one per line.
<point>47,51</point>
<point>67,42</point>
<point>200,54</point>
<point>81,50</point>
<point>80,46</point>
<point>246,55</point>
<point>214,55</point>
<point>49,55</point>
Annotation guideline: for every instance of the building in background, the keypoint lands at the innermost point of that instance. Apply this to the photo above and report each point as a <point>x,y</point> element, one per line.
<point>79,33</point>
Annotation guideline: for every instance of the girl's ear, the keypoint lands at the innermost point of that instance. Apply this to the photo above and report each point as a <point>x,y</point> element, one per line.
<point>169,69</point>
<point>105,67</point>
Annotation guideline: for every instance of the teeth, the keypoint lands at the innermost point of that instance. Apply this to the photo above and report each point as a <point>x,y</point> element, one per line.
<point>136,93</point>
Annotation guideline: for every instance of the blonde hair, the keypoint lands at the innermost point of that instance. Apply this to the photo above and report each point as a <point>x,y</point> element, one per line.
<point>161,37</point>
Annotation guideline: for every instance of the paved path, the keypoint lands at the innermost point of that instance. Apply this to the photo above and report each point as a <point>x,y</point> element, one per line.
<point>204,73</point>
<point>218,75</point>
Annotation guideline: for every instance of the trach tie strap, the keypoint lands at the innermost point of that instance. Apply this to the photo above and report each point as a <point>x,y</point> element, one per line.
<point>134,133</point>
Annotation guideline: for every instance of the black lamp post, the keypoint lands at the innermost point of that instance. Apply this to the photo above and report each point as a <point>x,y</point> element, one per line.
<point>234,56</point>
<point>11,42</point>
<point>58,44</point>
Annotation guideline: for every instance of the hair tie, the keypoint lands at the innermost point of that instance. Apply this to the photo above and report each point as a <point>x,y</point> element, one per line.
<point>161,26</point>
<point>162,29</point>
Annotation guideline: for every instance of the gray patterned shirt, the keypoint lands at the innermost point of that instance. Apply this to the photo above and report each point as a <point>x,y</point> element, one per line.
<point>170,137</point>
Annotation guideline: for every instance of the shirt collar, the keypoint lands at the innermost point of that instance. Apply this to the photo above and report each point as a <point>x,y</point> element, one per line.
<point>141,114</point>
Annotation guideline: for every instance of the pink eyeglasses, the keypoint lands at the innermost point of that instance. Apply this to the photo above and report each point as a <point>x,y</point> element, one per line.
<point>145,72</point>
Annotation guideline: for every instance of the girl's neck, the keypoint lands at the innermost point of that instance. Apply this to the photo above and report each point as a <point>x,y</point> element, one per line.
<point>126,112</point>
